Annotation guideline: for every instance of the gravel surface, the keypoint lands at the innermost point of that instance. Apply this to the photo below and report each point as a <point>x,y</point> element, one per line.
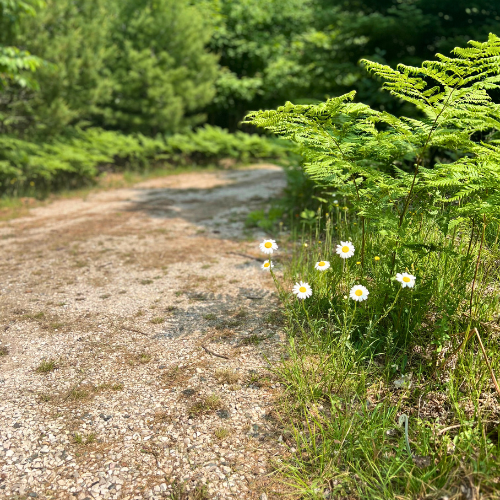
<point>136,332</point>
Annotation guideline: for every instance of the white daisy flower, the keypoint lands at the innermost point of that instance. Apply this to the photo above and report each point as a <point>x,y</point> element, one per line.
<point>268,246</point>
<point>322,266</point>
<point>302,290</point>
<point>267,265</point>
<point>345,249</point>
<point>359,293</point>
<point>406,280</point>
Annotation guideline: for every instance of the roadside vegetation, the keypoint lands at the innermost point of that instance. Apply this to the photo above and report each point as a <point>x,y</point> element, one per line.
<point>390,221</point>
<point>112,85</point>
<point>391,388</point>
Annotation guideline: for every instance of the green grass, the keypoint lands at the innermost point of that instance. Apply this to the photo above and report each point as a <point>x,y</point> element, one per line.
<point>343,396</point>
<point>180,492</point>
<point>253,339</point>
<point>207,404</point>
<point>77,394</point>
<point>221,433</point>
<point>46,366</point>
<point>157,321</point>
<point>88,439</point>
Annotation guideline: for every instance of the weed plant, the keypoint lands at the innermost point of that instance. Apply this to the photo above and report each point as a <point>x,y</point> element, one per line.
<point>393,394</point>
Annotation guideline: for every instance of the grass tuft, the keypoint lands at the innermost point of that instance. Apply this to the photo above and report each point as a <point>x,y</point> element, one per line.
<point>84,440</point>
<point>157,321</point>
<point>226,376</point>
<point>205,405</point>
<point>221,433</point>
<point>46,366</point>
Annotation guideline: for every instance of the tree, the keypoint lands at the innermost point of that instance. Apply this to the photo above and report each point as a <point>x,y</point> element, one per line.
<point>258,42</point>
<point>272,51</point>
<point>389,32</point>
<point>74,37</point>
<point>161,74</point>
<point>16,63</point>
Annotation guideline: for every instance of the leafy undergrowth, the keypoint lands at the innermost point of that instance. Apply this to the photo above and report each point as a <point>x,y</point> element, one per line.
<point>343,414</point>
<point>81,156</point>
<point>354,370</point>
<point>394,330</point>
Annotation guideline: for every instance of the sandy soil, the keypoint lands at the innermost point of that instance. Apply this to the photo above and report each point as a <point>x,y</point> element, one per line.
<point>136,331</point>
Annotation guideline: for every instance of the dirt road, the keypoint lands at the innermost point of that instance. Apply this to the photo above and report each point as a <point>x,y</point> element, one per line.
<point>135,327</point>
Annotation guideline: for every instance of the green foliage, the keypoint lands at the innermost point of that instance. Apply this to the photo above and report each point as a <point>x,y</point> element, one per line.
<point>413,194</point>
<point>133,66</point>
<point>353,368</point>
<point>151,67</point>
<point>209,144</point>
<point>258,42</point>
<point>305,50</point>
<point>77,158</point>
<point>388,32</point>
<point>343,429</point>
<point>161,73</point>
<point>74,37</point>
<point>16,64</point>
<point>382,163</point>
<point>265,219</point>
<point>165,66</point>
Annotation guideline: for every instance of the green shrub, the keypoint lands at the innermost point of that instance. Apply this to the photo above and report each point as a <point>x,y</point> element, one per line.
<point>385,396</point>
<point>208,144</point>
<point>134,66</point>
<point>421,191</point>
<point>79,157</point>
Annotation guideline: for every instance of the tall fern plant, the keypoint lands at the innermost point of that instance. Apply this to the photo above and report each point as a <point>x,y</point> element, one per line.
<point>440,168</point>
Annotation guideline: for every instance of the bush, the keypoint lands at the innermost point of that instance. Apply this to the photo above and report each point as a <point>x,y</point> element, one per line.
<point>387,389</point>
<point>208,144</point>
<point>82,155</point>
<point>423,191</point>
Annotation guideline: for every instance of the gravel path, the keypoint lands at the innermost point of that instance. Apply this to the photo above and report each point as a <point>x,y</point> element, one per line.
<point>136,328</point>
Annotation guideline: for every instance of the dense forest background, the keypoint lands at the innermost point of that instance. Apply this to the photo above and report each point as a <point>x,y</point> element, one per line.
<point>89,83</point>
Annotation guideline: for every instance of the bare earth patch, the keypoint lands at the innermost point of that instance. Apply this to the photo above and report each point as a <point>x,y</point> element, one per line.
<point>136,335</point>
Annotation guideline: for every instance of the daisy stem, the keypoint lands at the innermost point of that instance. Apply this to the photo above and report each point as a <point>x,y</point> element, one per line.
<point>363,245</point>
<point>284,298</point>
<point>348,276</point>
<point>345,314</point>
<point>388,310</point>
<point>305,310</point>
<point>353,315</point>
<point>280,290</point>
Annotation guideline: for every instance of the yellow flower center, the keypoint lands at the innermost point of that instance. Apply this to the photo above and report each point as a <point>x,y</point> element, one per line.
<point>345,249</point>
<point>321,264</point>
<point>268,244</point>
<point>266,264</point>
<point>358,292</point>
<point>302,289</point>
<point>406,279</point>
